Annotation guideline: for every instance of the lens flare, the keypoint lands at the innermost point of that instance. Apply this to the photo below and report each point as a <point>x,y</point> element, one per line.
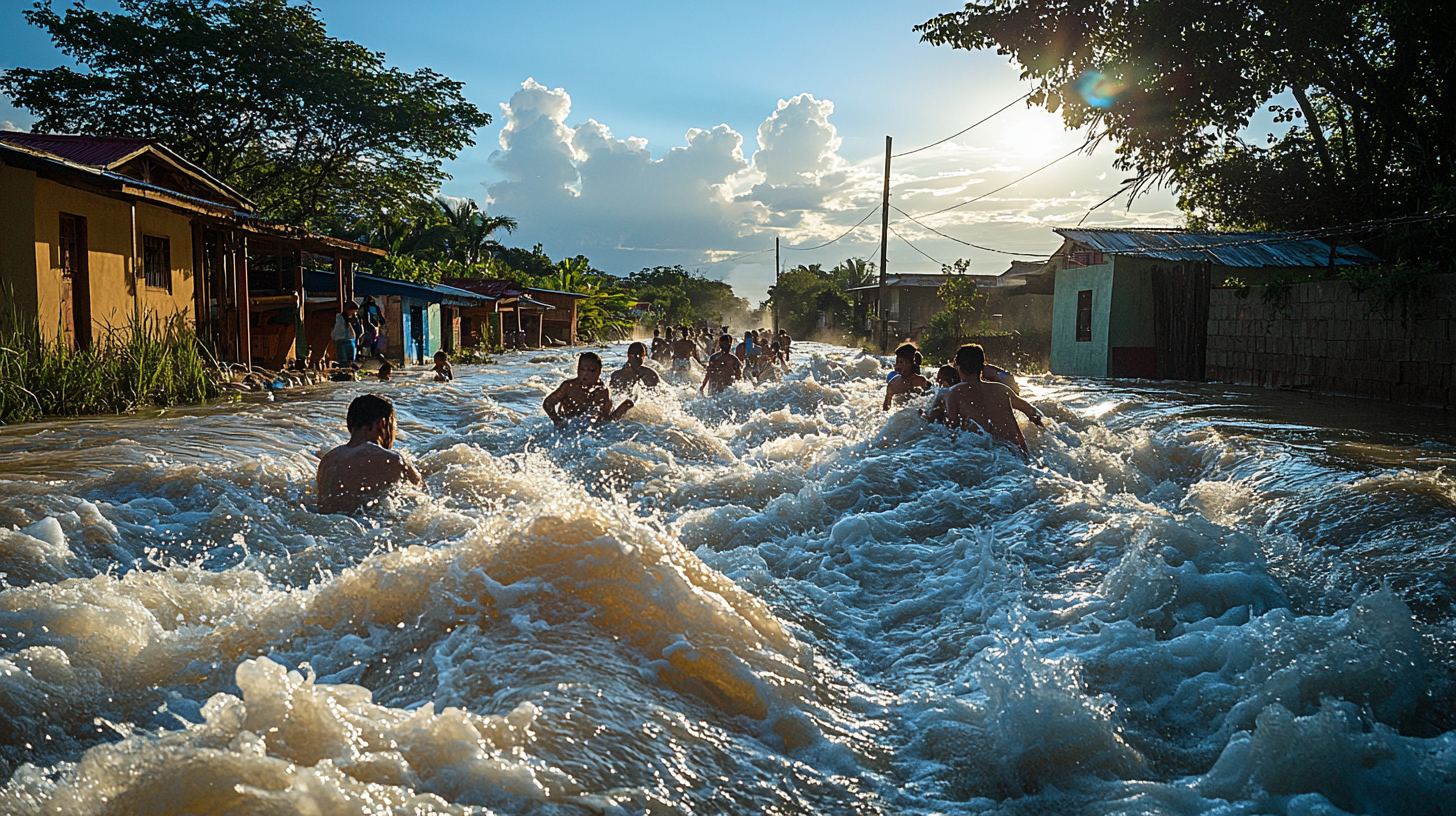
<point>1099,90</point>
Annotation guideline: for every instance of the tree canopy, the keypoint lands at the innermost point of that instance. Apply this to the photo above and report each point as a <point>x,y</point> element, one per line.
<point>805,294</point>
<point>679,297</point>
<point>312,128</point>
<point>1366,86</point>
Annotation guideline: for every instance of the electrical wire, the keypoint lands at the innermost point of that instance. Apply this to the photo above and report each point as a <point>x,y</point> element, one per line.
<point>846,232</point>
<point>967,130</point>
<point>912,246</point>
<point>967,243</point>
<point>1068,154</point>
<point>735,258</point>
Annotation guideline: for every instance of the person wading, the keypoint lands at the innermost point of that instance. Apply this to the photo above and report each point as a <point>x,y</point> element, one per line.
<point>976,405</point>
<point>584,394</point>
<point>724,369</point>
<point>634,371</point>
<point>351,475</point>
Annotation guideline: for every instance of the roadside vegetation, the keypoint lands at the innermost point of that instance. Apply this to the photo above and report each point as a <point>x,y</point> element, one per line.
<point>150,361</point>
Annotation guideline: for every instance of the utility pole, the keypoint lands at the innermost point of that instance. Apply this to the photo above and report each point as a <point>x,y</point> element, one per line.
<point>884,253</point>
<point>777,267</point>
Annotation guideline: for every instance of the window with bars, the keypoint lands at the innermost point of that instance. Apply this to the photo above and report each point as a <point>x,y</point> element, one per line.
<point>157,261</point>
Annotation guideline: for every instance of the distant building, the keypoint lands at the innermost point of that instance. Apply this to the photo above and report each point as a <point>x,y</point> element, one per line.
<point>94,229</point>
<point>1134,303</point>
<point>913,299</point>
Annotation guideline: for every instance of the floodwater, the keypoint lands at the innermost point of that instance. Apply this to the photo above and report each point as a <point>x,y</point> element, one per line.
<point>1192,600</point>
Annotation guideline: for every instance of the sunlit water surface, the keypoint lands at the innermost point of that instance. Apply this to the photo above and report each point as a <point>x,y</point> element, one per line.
<point>1193,600</point>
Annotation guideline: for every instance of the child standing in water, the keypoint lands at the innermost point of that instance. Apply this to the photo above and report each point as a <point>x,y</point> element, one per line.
<point>976,405</point>
<point>724,369</point>
<point>443,372</point>
<point>584,394</point>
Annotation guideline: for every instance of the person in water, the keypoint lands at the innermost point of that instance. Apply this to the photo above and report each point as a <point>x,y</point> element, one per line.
<point>350,475</point>
<point>974,404</point>
<point>443,372</point>
<point>946,376</point>
<point>661,348</point>
<point>724,369</point>
<point>908,381</point>
<point>583,394</point>
<point>786,343</point>
<point>684,351</point>
<point>384,371</point>
<point>634,371</point>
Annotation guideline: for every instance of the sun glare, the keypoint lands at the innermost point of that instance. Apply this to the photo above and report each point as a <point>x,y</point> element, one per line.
<point>1033,137</point>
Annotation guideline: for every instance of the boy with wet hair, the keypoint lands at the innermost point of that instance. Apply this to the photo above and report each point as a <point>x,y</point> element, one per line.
<point>908,382</point>
<point>974,404</point>
<point>443,371</point>
<point>349,475</point>
<point>634,371</point>
<point>724,369</point>
<point>584,394</point>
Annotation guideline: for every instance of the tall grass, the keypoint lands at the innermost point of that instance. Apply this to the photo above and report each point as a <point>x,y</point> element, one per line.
<point>150,361</point>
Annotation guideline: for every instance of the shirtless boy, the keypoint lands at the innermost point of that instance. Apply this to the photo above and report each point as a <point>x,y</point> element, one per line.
<point>974,404</point>
<point>634,371</point>
<point>723,368</point>
<point>351,474</point>
<point>584,393</point>
<point>910,382</point>
<point>661,348</point>
<point>684,350</point>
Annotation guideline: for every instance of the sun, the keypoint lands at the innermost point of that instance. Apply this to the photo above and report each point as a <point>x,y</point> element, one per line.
<point>1033,137</point>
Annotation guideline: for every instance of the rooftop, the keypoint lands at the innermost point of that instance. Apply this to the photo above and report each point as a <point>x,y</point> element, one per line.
<point>1239,249</point>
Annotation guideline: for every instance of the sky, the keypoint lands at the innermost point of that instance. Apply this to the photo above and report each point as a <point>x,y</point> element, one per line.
<point>642,134</point>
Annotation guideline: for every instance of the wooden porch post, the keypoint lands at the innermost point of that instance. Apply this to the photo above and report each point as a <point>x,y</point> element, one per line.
<point>245,308</point>
<point>339,288</point>
<point>300,347</point>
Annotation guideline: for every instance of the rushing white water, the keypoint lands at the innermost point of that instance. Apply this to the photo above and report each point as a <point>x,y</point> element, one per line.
<point>1193,600</point>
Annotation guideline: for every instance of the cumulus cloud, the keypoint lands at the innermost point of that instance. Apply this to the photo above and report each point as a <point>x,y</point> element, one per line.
<point>606,191</point>
<point>10,126</point>
<point>580,188</point>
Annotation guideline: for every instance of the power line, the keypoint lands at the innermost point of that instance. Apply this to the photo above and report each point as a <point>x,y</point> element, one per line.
<point>968,243</point>
<point>1077,149</point>
<point>735,258</point>
<point>846,232</point>
<point>912,246</point>
<point>967,130</point>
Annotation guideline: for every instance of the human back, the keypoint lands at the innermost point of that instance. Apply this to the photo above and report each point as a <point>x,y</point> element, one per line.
<point>973,404</point>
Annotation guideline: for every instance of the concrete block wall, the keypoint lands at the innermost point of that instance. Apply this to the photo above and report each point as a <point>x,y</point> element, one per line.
<point>1327,340</point>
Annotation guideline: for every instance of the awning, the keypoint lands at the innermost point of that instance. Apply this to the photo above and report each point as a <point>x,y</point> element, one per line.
<point>318,281</point>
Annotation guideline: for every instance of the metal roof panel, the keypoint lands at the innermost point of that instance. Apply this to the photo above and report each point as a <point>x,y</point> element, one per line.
<point>1238,249</point>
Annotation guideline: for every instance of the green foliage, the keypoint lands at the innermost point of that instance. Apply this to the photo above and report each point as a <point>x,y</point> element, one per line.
<point>316,130</point>
<point>804,294</point>
<point>150,361</point>
<point>1372,130</point>
<point>962,316</point>
<point>680,298</point>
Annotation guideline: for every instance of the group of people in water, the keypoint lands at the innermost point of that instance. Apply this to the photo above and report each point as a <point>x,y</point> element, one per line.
<point>972,395</point>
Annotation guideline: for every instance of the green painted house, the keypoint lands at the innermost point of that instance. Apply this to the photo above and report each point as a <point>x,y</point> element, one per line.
<point>1134,303</point>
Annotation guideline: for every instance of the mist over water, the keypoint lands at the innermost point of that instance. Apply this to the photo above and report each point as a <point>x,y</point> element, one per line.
<point>1193,600</point>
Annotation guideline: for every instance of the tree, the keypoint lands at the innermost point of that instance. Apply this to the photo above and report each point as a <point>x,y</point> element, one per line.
<point>962,315</point>
<point>1372,113</point>
<point>468,236</point>
<point>679,297</point>
<point>314,129</point>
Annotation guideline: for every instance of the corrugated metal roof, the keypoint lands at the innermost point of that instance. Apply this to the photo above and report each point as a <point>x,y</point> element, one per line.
<point>493,288</point>
<point>1239,249</point>
<point>93,151</point>
<point>319,281</point>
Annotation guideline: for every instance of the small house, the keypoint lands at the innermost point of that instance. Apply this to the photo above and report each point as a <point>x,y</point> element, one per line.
<point>97,229</point>
<point>1134,303</point>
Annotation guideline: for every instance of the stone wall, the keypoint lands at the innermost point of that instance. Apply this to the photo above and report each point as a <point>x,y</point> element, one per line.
<point>1328,340</point>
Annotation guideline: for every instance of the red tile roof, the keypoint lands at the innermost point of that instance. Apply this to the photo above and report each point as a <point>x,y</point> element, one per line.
<point>489,287</point>
<point>92,151</point>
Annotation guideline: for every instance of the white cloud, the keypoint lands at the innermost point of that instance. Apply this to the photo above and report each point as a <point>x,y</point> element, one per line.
<point>9,125</point>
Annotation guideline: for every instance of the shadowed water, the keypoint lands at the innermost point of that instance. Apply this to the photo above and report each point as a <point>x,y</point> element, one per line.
<point>1192,600</point>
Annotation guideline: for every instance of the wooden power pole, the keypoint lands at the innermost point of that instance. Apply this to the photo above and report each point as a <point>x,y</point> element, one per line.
<point>777,267</point>
<point>884,253</point>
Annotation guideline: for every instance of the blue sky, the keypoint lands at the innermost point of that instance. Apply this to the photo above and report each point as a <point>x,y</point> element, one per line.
<point>590,167</point>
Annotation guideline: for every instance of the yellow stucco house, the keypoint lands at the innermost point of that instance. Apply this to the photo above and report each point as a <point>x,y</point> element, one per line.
<point>94,229</point>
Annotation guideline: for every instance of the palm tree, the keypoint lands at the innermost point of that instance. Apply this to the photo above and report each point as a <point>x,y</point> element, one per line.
<point>468,231</point>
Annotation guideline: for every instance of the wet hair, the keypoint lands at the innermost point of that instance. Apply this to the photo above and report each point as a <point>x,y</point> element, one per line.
<point>970,357</point>
<point>656,332</point>
<point>638,348</point>
<point>590,357</point>
<point>948,374</point>
<point>906,350</point>
<point>368,409</point>
<point>441,356</point>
